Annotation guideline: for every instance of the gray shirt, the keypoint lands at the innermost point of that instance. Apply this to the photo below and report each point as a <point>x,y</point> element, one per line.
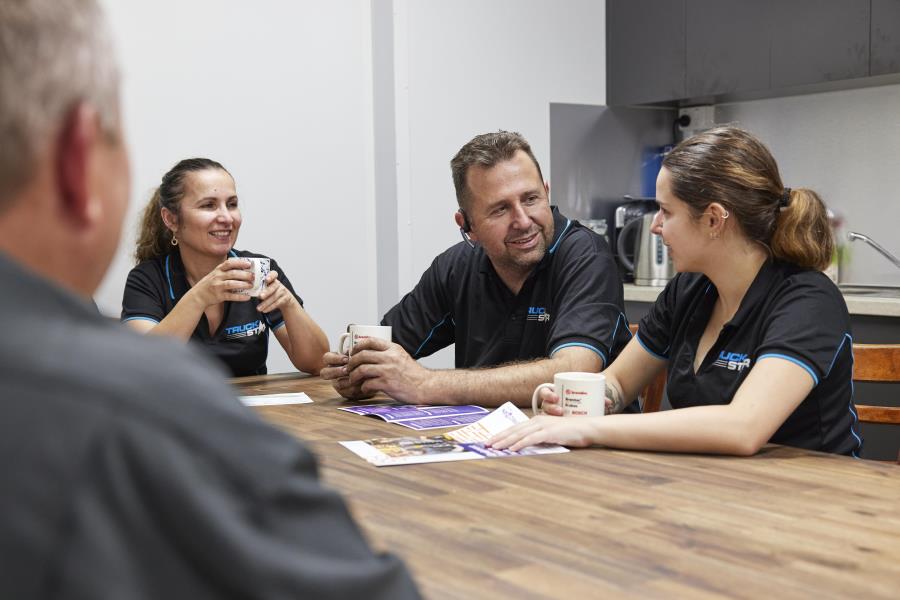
<point>130,471</point>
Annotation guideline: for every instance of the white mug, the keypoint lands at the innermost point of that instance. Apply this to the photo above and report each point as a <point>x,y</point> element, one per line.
<point>260,268</point>
<point>359,333</point>
<point>580,394</point>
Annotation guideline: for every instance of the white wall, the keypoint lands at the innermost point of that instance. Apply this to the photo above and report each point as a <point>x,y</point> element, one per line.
<point>846,146</point>
<point>467,67</point>
<point>280,93</point>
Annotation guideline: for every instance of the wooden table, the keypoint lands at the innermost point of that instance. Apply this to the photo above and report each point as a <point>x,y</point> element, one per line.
<point>611,524</point>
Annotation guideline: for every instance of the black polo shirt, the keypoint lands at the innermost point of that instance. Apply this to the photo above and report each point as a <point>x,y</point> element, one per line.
<point>788,312</point>
<point>155,286</point>
<point>572,298</point>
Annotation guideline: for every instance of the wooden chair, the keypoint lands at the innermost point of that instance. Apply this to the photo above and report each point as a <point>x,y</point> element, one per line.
<point>878,363</point>
<point>652,395</point>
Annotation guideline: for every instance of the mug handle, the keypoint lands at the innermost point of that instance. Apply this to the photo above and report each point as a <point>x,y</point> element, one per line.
<point>534,398</point>
<point>340,346</point>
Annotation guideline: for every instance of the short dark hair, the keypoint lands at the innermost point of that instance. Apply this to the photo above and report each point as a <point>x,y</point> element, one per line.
<point>486,150</point>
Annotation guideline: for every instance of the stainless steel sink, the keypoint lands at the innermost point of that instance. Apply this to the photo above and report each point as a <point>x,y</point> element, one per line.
<point>870,290</point>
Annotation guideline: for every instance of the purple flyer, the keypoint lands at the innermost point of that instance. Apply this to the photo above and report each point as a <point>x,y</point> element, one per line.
<point>421,417</point>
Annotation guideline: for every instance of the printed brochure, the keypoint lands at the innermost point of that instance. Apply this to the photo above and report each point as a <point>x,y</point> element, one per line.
<point>466,443</point>
<point>420,417</point>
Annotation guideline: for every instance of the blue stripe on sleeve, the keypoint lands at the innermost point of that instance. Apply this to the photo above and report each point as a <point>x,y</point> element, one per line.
<point>581,345</point>
<point>430,333</point>
<point>140,319</point>
<point>645,347</point>
<point>793,360</point>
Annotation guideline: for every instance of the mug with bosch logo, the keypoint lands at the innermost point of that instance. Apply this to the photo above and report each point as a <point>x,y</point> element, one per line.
<point>260,269</point>
<point>358,333</point>
<point>580,394</point>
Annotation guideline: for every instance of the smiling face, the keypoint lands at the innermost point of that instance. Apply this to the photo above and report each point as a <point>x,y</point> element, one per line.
<point>509,210</point>
<point>209,218</point>
<point>680,229</point>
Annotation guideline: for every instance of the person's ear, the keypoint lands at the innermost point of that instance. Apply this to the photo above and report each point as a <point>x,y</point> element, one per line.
<point>460,220</point>
<point>716,217</point>
<point>169,219</point>
<point>547,190</point>
<point>77,137</point>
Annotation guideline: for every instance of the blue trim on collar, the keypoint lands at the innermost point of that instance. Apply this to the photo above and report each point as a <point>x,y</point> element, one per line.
<point>232,253</point>
<point>169,277</point>
<point>559,239</point>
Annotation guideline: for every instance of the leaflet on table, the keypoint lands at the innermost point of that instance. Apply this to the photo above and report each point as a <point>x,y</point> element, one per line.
<point>462,444</point>
<point>275,399</point>
<point>421,417</point>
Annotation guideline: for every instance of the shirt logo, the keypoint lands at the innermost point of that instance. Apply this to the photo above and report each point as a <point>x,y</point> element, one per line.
<point>733,361</point>
<point>246,330</point>
<point>539,314</point>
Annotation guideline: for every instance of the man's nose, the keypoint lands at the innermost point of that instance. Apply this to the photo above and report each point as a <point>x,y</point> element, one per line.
<point>521,218</point>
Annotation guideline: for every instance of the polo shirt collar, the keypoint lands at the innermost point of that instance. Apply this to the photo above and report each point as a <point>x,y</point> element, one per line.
<point>761,287</point>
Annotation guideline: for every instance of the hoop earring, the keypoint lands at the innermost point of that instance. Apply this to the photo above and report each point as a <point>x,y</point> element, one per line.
<point>725,215</point>
<point>174,240</point>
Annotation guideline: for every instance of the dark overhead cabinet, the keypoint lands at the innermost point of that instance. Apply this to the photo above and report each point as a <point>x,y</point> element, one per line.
<point>727,47</point>
<point>644,51</point>
<point>699,51</point>
<point>885,37</point>
<point>817,41</point>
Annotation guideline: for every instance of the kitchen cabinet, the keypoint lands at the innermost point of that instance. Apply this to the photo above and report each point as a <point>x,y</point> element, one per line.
<point>644,51</point>
<point>816,41</point>
<point>757,48</point>
<point>885,36</point>
<point>727,47</point>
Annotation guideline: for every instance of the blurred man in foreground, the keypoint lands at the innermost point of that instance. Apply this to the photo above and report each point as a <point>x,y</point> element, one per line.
<point>130,471</point>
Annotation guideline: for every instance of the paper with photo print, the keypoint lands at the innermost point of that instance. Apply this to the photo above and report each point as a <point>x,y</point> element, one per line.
<point>466,443</point>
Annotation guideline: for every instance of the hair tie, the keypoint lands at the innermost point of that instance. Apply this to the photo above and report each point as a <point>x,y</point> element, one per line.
<point>785,199</point>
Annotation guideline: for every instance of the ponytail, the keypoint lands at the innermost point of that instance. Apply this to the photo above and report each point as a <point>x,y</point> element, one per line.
<point>154,238</point>
<point>802,233</point>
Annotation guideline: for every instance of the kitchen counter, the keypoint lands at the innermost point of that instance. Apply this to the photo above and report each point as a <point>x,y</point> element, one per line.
<point>856,304</point>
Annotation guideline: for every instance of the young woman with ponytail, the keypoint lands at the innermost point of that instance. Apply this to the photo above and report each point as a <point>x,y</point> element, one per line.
<point>188,277</point>
<point>755,338</point>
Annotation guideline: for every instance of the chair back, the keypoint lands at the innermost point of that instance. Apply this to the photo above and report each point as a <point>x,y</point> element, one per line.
<point>652,395</point>
<point>877,363</point>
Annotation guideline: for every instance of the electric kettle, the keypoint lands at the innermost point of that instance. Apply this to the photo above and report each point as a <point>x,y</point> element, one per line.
<point>651,265</point>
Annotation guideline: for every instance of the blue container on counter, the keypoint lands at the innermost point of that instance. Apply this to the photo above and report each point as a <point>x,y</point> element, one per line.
<point>651,162</point>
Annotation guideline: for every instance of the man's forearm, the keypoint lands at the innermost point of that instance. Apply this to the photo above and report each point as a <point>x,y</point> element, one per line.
<point>508,383</point>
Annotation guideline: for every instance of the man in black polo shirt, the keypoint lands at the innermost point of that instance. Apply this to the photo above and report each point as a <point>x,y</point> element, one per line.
<point>527,294</point>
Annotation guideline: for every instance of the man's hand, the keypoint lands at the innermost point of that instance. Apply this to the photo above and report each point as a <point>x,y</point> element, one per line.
<point>381,366</point>
<point>336,371</point>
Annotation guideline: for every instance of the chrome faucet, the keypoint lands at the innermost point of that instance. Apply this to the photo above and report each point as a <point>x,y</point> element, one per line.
<point>853,236</point>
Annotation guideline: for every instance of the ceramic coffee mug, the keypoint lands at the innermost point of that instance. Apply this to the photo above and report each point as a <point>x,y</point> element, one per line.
<point>260,268</point>
<point>580,394</point>
<point>359,333</point>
